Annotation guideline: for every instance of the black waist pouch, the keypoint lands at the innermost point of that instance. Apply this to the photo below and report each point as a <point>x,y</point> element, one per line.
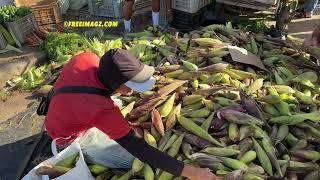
<point>45,101</point>
<point>44,104</point>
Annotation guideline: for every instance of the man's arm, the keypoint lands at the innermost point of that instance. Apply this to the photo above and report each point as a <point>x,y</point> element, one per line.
<point>150,155</point>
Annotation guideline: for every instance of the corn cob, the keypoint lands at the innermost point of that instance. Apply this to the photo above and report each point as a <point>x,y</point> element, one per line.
<point>314,175</point>
<point>233,132</point>
<point>239,117</point>
<point>294,165</point>
<point>115,177</point>
<point>282,133</point>
<point>190,66</point>
<point>155,134</point>
<point>256,85</point>
<point>148,57</point>
<point>301,144</point>
<point>306,154</point>
<point>296,119</point>
<point>68,162</point>
<point>266,143</point>
<point>245,131</point>
<point>207,42</point>
<point>234,164</point>
<point>174,74</point>
<point>248,157</point>
<point>125,176</point>
<point>191,99</point>
<point>285,71</point>
<point>196,141</point>
<point>186,149</point>
<point>105,175</point>
<point>164,140</point>
<point>166,108</point>
<point>165,52</point>
<point>303,98</point>
<point>283,108</point>
<point>97,168</point>
<point>270,110</point>
<point>258,132</point>
<point>254,46</point>
<point>252,168</point>
<point>278,78</point>
<point>127,109</point>
<point>137,166</point>
<point>169,143</point>
<point>223,152</point>
<point>149,139</point>
<point>147,172</point>
<point>157,121</point>
<point>206,124</point>
<point>283,89</point>
<point>192,107</point>
<point>166,176</point>
<point>311,129</point>
<point>200,113</point>
<point>172,117</point>
<point>174,149</point>
<point>192,127</point>
<point>263,158</point>
<point>291,140</point>
<point>250,176</point>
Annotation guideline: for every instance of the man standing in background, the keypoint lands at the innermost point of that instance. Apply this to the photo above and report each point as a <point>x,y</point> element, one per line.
<point>127,12</point>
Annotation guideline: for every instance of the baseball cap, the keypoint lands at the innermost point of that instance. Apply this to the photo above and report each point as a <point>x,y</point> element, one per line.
<point>119,66</point>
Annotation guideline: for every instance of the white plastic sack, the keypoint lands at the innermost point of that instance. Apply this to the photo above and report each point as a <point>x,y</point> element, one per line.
<point>81,171</point>
<point>64,6</point>
<point>77,4</point>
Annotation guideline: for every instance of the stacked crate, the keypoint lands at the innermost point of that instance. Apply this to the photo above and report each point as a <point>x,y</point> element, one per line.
<point>188,14</point>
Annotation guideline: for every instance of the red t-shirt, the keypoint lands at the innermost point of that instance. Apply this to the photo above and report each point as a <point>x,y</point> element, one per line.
<point>73,114</point>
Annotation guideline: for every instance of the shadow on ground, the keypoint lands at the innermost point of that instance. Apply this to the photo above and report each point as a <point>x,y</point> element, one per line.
<point>303,28</point>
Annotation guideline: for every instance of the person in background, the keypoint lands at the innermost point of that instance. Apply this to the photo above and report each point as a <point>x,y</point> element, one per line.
<point>127,12</point>
<point>307,9</point>
<point>315,38</point>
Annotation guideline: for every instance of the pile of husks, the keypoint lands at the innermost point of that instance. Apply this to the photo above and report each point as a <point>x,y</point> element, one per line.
<point>239,120</point>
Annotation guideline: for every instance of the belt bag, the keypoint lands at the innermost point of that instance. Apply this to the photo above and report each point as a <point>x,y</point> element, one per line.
<point>45,101</point>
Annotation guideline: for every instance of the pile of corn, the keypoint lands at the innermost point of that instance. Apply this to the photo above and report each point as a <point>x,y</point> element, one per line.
<point>236,119</point>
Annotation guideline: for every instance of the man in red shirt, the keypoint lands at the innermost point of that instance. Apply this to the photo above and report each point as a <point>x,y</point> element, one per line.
<point>96,121</point>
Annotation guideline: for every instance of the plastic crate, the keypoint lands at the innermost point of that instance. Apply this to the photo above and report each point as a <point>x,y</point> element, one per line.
<point>47,13</point>
<point>190,6</point>
<point>22,27</point>
<point>141,4</point>
<point>184,21</point>
<point>106,8</point>
<point>3,42</point>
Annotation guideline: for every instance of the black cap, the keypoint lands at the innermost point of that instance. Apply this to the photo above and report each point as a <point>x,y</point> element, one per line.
<point>119,66</point>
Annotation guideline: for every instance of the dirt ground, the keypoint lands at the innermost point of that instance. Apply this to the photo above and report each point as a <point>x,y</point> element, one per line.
<point>303,28</point>
<point>15,104</point>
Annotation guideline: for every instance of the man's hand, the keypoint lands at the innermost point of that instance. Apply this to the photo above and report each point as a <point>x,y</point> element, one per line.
<point>194,173</point>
